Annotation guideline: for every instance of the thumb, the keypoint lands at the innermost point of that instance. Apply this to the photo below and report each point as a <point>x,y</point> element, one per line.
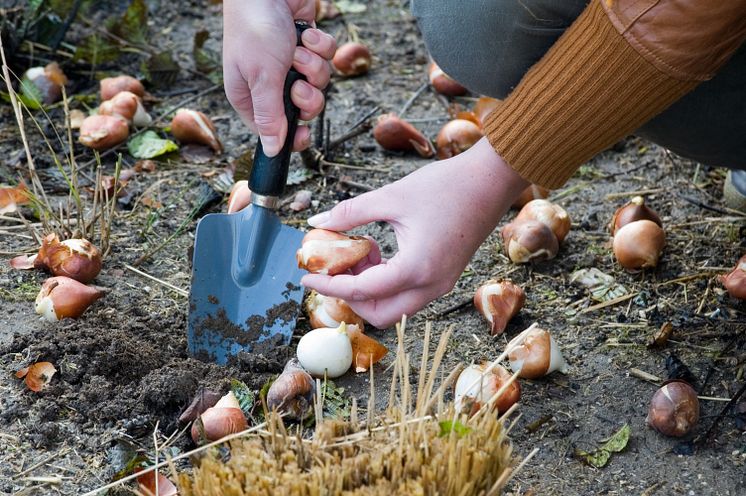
<point>269,113</point>
<point>363,209</point>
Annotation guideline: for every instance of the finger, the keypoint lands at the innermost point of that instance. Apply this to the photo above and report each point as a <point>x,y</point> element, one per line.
<point>308,99</point>
<point>269,113</point>
<point>387,311</point>
<point>372,258</point>
<point>377,282</point>
<point>319,42</point>
<point>369,207</point>
<point>315,68</point>
<point>302,138</point>
<point>239,96</point>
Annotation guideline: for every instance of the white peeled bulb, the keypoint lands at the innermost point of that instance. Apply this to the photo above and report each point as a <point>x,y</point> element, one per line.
<point>326,351</point>
<point>535,353</point>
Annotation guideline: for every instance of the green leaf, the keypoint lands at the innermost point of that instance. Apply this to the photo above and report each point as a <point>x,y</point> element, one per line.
<point>336,404</point>
<point>206,61</point>
<point>601,456</point>
<point>160,70</point>
<point>95,50</point>
<point>448,426</point>
<point>30,95</point>
<point>150,145</point>
<point>244,395</point>
<point>133,25</point>
<point>350,7</point>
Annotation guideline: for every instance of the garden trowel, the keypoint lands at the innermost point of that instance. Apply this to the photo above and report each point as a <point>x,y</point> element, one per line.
<point>246,289</point>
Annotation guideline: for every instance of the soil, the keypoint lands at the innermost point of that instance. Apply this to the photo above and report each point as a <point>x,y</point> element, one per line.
<point>124,371</point>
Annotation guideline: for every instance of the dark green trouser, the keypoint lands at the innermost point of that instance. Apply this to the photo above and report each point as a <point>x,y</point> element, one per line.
<point>489,45</point>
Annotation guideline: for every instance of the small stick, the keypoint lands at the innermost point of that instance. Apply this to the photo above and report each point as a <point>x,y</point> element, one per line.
<point>724,211</point>
<point>639,192</point>
<point>182,292</point>
<point>357,185</point>
<point>362,125</point>
<point>721,415</point>
<point>43,462</point>
<point>508,474</point>
<point>609,303</point>
<point>455,308</point>
<point>641,374</point>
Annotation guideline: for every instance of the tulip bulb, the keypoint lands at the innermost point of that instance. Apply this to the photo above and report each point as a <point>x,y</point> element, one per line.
<point>537,354</point>
<point>292,392</point>
<point>352,59</point>
<point>484,106</point>
<point>548,213</point>
<point>61,297</point>
<point>47,80</point>
<point>498,302</point>
<point>127,106</point>
<point>533,192</point>
<point>113,85</point>
<point>221,420</point>
<point>191,126</point>
<point>474,388</point>
<point>325,9</point>
<point>77,259</point>
<point>443,83</point>
<point>529,241</point>
<point>365,350</point>
<point>240,196</point>
<point>632,211</point>
<point>735,281</point>
<point>103,131</point>
<point>639,244</point>
<point>456,137</point>
<point>396,134</point>
<point>327,311</point>
<point>674,409</point>
<point>326,351</point>
<point>11,197</point>
<point>331,253</point>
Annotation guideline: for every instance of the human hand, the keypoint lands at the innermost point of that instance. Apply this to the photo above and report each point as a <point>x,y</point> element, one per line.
<point>440,213</point>
<point>259,47</point>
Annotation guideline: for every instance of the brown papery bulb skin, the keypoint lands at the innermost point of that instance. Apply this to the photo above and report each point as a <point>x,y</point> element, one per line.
<point>498,302</point>
<point>113,85</point>
<point>735,280</point>
<point>128,106</point>
<point>474,389</point>
<point>327,311</point>
<point>674,409</point>
<point>529,241</point>
<point>365,350</point>
<point>61,297</point>
<point>192,126</point>
<point>632,211</point>
<point>352,59</point>
<point>396,134</point>
<point>484,107</point>
<point>102,132</point>
<point>639,244</point>
<point>554,216</point>
<point>443,83</point>
<point>331,253</point>
<point>292,392</point>
<point>533,192</point>
<point>77,259</point>
<point>221,420</point>
<point>456,137</point>
<point>48,80</point>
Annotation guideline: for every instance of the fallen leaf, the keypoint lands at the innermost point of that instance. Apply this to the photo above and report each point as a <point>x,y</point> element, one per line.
<point>146,484</point>
<point>196,154</point>
<point>145,166</point>
<point>150,145</point>
<point>616,443</point>
<point>448,426</point>
<point>37,375</point>
<point>603,287</point>
<point>201,402</point>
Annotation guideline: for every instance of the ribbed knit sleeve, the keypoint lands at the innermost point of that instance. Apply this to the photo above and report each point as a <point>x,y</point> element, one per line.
<point>591,89</point>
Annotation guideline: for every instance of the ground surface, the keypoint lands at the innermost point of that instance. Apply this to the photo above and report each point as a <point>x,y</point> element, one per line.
<point>123,367</point>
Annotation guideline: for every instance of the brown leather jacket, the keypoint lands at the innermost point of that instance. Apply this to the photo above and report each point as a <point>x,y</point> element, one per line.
<point>686,39</point>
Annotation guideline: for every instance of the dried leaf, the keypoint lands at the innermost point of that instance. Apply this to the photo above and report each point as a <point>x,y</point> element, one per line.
<point>145,166</point>
<point>150,145</point>
<point>160,70</point>
<point>37,375</point>
<point>661,336</point>
<point>448,426</point>
<point>204,400</point>
<point>133,25</point>
<point>206,61</point>
<point>615,444</point>
<point>603,287</point>
<point>146,484</point>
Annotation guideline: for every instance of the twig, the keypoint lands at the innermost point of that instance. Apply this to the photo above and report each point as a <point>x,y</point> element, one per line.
<point>641,374</point>
<point>412,98</point>
<point>724,211</point>
<point>353,184</point>
<point>509,474</point>
<point>609,303</point>
<point>639,192</point>
<point>721,415</point>
<point>455,308</point>
<point>42,462</point>
<point>180,291</point>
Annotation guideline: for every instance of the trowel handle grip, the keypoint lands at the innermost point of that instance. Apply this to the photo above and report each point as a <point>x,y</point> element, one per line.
<point>269,174</point>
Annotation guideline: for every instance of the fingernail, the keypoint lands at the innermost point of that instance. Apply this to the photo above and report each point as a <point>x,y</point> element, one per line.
<point>311,36</point>
<point>304,90</point>
<point>302,57</point>
<point>271,145</point>
<point>319,220</point>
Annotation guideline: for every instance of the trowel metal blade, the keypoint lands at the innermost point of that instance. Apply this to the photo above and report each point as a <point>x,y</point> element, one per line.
<point>246,291</point>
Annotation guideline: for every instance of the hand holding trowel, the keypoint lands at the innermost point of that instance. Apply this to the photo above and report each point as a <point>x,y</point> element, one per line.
<point>245,282</point>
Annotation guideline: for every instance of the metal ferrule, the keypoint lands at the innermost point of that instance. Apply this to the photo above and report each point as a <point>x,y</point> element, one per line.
<point>268,202</point>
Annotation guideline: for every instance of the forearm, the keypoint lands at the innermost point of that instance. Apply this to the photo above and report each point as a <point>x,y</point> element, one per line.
<point>591,89</point>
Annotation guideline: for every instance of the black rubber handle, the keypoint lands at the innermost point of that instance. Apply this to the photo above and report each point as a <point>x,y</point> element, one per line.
<point>269,174</point>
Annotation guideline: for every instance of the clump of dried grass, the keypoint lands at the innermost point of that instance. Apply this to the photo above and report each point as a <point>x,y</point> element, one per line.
<point>407,449</point>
